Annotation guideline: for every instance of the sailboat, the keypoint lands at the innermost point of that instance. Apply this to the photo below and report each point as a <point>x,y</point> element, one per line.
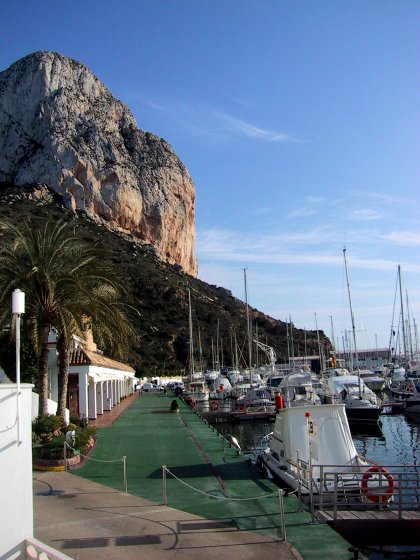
<point>360,402</point>
<point>196,390</point>
<point>402,380</point>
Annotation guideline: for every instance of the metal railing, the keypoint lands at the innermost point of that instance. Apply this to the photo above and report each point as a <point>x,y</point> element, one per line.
<point>393,488</point>
<point>37,550</point>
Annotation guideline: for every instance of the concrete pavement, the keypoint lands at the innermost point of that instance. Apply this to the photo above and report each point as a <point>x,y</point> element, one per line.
<point>89,521</point>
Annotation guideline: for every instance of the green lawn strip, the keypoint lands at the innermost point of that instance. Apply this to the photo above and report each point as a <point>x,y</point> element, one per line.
<point>150,436</point>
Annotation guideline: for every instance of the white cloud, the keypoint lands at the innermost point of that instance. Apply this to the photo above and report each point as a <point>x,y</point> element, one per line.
<point>311,205</point>
<point>247,129</point>
<point>363,214</point>
<point>295,248</point>
<point>199,118</point>
<point>408,238</point>
<point>382,197</point>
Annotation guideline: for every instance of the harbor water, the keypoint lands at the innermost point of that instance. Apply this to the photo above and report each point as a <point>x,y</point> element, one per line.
<point>394,442</point>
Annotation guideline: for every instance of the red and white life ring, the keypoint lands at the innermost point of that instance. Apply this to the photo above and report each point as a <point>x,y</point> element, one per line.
<point>214,405</point>
<point>378,494</point>
<point>241,407</point>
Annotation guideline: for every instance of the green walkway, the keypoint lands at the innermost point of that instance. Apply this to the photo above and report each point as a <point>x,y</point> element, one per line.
<point>202,465</point>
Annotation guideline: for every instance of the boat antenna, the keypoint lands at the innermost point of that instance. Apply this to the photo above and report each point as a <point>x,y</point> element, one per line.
<point>356,357</point>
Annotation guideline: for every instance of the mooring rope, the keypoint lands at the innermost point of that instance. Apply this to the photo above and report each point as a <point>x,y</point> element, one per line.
<point>220,497</point>
<point>96,460</point>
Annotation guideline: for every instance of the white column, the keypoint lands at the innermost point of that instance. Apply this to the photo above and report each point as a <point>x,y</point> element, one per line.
<point>114,392</point>
<point>92,400</point>
<point>100,397</point>
<point>108,396</point>
<point>53,378</point>
<point>83,395</point>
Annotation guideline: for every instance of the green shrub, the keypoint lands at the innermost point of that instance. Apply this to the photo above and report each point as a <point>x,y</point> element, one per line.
<point>84,438</point>
<point>79,421</point>
<point>49,435</point>
<point>70,427</point>
<point>54,449</point>
<point>45,427</point>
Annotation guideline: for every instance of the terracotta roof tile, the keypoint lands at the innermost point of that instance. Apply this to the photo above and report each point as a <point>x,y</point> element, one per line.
<point>85,357</point>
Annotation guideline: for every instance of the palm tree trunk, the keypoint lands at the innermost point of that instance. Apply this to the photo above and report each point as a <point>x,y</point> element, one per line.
<point>43,374</point>
<point>63,376</point>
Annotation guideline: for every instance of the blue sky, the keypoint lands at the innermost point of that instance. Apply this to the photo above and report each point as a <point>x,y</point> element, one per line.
<point>298,122</point>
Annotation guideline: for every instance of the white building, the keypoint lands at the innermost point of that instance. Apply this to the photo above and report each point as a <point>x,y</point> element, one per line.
<point>16,513</point>
<point>96,383</point>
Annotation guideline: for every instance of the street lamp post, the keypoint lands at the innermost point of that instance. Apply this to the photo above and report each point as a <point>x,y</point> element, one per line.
<point>18,308</point>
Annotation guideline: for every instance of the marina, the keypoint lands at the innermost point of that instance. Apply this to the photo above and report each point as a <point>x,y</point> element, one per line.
<point>207,475</point>
<point>382,526</point>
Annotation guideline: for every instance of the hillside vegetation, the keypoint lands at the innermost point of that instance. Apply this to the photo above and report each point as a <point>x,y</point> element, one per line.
<point>159,293</point>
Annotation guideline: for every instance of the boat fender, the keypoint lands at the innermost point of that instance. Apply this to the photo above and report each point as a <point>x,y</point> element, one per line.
<point>214,405</point>
<point>382,494</point>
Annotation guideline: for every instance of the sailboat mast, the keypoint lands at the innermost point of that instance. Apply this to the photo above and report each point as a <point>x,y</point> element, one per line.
<point>200,350</point>
<point>248,327</point>
<point>402,319</point>
<point>409,333</point>
<point>217,344</point>
<point>191,336</point>
<point>356,357</point>
<point>292,345</point>
<point>321,360</point>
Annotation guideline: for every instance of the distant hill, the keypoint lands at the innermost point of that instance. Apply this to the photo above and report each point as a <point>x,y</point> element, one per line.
<point>160,293</point>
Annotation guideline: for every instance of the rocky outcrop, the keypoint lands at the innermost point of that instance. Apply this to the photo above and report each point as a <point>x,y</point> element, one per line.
<point>61,127</point>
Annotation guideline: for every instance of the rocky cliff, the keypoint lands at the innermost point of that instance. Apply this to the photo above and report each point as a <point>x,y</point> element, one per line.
<point>60,127</point>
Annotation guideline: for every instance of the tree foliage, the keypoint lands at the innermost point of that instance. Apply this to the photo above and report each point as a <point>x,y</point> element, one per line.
<point>71,286</point>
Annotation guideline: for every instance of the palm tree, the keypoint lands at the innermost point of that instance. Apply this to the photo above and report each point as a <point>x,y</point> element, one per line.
<point>69,285</point>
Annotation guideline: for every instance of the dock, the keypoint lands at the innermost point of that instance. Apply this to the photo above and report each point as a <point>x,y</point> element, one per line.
<point>176,471</point>
<point>363,527</point>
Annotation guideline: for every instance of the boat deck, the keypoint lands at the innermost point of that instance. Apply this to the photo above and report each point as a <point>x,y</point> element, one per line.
<point>205,476</point>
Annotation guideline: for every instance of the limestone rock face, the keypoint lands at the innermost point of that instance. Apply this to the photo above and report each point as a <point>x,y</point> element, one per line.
<point>61,127</point>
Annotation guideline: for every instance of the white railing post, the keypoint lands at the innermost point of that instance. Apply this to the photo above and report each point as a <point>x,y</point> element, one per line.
<point>400,496</point>
<point>311,491</point>
<point>125,473</point>
<point>335,495</point>
<point>321,486</point>
<point>165,497</point>
<point>282,518</point>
